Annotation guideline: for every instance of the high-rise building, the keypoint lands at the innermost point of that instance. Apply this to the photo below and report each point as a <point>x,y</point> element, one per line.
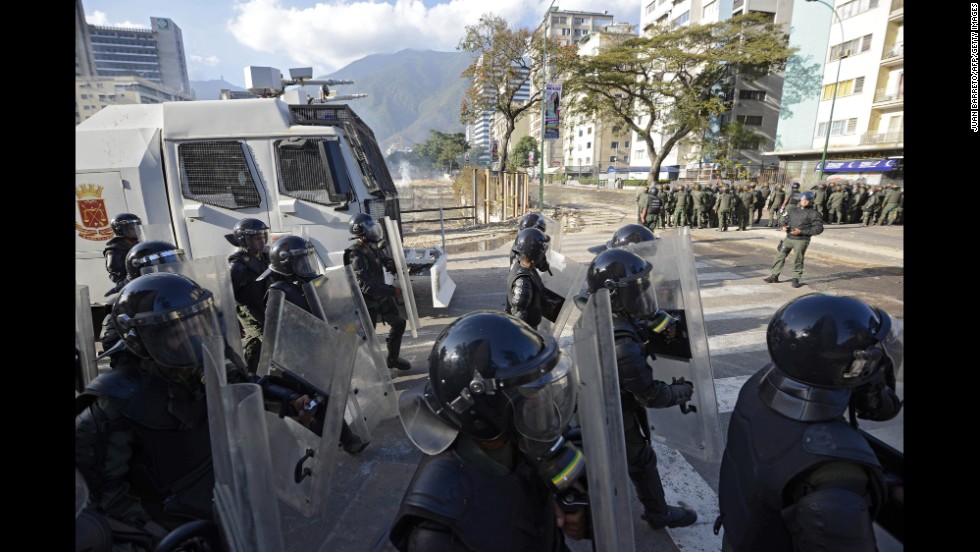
<point>862,53</point>
<point>480,134</point>
<point>127,65</point>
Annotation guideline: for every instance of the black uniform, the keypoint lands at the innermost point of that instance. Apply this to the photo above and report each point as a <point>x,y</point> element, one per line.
<point>498,503</point>
<point>797,485</point>
<point>250,299</point>
<point>115,257</point>
<point>525,288</point>
<point>368,262</point>
<point>639,391</point>
<point>143,445</point>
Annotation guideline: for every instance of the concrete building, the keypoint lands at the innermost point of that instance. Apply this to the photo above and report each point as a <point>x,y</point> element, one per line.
<point>866,48</point>
<point>755,103</point>
<point>562,27</point>
<point>95,93</point>
<point>595,148</point>
<point>480,134</point>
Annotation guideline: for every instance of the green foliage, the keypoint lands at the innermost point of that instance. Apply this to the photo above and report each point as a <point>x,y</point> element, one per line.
<point>522,151</point>
<point>672,81</point>
<point>442,151</point>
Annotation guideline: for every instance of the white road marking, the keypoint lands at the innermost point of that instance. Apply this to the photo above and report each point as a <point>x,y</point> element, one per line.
<point>738,290</point>
<point>682,484</point>
<point>708,276</point>
<point>741,342</point>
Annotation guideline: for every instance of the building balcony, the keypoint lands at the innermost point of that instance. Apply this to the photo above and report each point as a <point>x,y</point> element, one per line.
<point>883,138</point>
<point>882,96</point>
<point>893,54</point>
<point>898,11</point>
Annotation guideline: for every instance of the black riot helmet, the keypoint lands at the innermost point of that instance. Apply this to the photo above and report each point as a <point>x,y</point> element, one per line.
<point>490,373</point>
<point>807,195</point>
<point>630,233</point>
<point>627,277</point>
<point>533,220</point>
<point>831,341</point>
<point>294,256</point>
<point>796,186</point>
<point>362,225</point>
<point>251,235</point>
<point>533,244</point>
<point>165,316</point>
<point>149,253</point>
<point>124,225</point>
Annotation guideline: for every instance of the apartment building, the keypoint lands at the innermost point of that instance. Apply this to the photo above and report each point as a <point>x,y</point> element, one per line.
<point>860,63</point>
<point>481,134</point>
<point>92,94</point>
<point>755,102</point>
<point>562,28</point>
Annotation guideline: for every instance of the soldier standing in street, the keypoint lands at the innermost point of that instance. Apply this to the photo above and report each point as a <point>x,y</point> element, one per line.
<point>800,225</point>
<point>250,261</point>
<point>820,200</point>
<point>641,203</point>
<point>835,210</point>
<point>892,198</point>
<point>744,208</point>
<point>653,209</point>
<point>795,475</point>
<point>698,207</point>
<point>774,203</point>
<point>369,262</point>
<point>758,201</point>
<point>681,206</point>
<point>723,206</point>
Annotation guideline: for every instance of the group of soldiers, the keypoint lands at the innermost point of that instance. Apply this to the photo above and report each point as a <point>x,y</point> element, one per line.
<point>722,205</point>
<point>503,467</point>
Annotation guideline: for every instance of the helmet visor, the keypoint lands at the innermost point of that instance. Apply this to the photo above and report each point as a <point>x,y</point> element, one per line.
<point>637,296</point>
<point>128,229</point>
<point>176,342</point>
<point>544,407</point>
<point>890,348</point>
<point>256,241</point>
<point>158,258</point>
<point>372,231</point>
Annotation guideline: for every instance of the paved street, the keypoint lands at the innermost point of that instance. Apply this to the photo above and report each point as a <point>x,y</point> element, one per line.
<point>866,262</point>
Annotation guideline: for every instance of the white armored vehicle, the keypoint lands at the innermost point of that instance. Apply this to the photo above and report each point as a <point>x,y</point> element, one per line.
<point>191,170</point>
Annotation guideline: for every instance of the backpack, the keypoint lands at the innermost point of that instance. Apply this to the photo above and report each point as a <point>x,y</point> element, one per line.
<point>654,204</point>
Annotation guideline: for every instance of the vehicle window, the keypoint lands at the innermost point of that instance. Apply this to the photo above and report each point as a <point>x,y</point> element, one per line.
<point>218,173</point>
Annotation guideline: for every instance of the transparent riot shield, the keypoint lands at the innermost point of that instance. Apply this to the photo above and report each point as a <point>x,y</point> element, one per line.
<point>600,415</point>
<point>307,355</point>
<point>674,277</point>
<point>402,275</point>
<point>565,278</point>
<point>84,340</point>
<point>554,232</point>
<point>161,232</point>
<point>212,274</point>
<point>244,496</point>
<point>335,297</point>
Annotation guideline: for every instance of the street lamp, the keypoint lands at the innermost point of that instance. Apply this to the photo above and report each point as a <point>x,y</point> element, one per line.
<point>840,60</point>
<point>544,85</point>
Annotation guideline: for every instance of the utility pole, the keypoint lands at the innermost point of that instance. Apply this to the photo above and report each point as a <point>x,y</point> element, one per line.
<point>544,85</point>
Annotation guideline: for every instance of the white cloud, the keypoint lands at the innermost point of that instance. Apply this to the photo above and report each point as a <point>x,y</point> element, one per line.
<point>101,19</point>
<point>209,61</point>
<point>330,35</point>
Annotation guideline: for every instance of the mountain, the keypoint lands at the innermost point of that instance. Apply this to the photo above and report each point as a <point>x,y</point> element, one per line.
<point>409,93</point>
<point>211,89</point>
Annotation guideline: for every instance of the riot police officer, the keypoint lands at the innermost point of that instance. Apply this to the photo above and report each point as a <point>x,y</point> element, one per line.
<point>140,256</point>
<point>125,236</point>
<point>637,324</point>
<point>795,475</point>
<point>530,220</point>
<point>527,297</point>
<point>293,259</point>
<point>490,420</point>
<point>250,261</point>
<point>142,440</point>
<point>625,235</point>
<point>369,260</point>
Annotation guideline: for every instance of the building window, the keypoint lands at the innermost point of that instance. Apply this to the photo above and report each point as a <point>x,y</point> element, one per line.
<point>579,132</point>
<point>626,159</point>
<point>843,127</point>
<point>559,20</point>
<point>651,6</point>
<point>580,20</point>
<point>612,159</point>
<point>588,160</point>
<point>683,18</point>
<point>852,47</point>
<point>846,88</point>
<point>752,95</point>
<point>614,145</point>
<point>749,120</point>
<point>566,32</point>
<point>710,11</point>
<point>626,144</point>
<point>588,130</point>
<point>578,32</point>
<point>856,7</point>
<point>588,145</point>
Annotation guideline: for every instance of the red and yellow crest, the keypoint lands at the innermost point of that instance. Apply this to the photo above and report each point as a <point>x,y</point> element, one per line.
<point>91,207</point>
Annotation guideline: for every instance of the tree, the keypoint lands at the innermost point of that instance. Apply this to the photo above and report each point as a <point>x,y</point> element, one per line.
<point>504,63</point>
<point>522,152</point>
<point>442,150</point>
<point>723,149</point>
<point>671,81</point>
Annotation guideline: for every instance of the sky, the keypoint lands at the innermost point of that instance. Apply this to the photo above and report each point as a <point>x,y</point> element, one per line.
<point>221,37</point>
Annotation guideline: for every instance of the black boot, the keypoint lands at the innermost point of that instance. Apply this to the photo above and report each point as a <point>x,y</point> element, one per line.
<point>351,443</point>
<point>398,364</point>
<point>675,517</point>
<point>796,283</point>
<point>772,279</point>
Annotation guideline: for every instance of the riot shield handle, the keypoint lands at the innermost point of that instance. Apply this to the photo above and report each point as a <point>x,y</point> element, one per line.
<point>685,408</point>
<point>300,473</point>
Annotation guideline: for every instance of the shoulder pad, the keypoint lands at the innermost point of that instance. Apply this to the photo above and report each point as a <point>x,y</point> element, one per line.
<point>236,256</point>
<point>428,491</point>
<point>116,244</point>
<point>839,440</point>
<point>348,254</point>
<point>118,384</point>
<point>281,285</point>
